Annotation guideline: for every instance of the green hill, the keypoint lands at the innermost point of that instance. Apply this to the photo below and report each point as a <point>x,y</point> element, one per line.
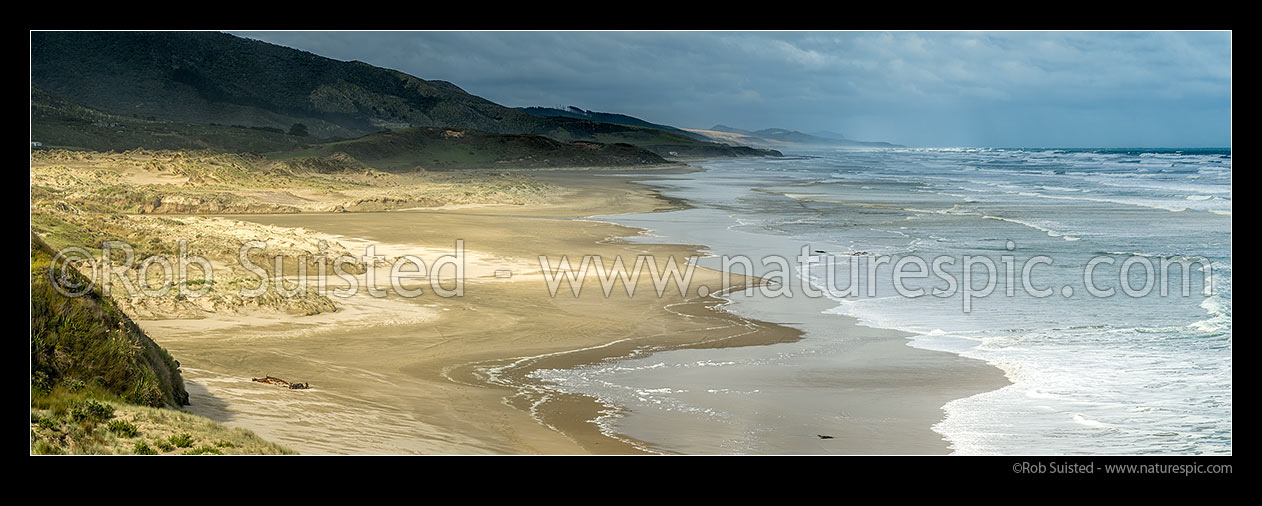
<point>206,78</point>
<point>607,117</point>
<point>664,140</point>
<point>56,122</point>
<point>443,148</point>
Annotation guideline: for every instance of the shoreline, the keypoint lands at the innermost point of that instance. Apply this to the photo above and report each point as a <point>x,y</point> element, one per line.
<point>964,376</point>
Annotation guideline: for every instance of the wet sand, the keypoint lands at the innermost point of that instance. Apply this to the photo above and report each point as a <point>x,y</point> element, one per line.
<point>451,375</point>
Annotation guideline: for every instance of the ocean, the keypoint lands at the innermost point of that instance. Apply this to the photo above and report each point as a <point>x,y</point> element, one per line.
<point>1080,242</point>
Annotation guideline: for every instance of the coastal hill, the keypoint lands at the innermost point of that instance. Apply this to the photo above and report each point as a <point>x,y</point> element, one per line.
<point>58,123</point>
<point>444,148</point>
<point>784,138</point>
<point>215,79</point>
<point>205,77</point>
<point>607,117</point>
<point>664,140</point>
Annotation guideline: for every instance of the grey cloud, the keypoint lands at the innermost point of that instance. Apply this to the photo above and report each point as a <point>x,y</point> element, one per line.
<point>918,88</point>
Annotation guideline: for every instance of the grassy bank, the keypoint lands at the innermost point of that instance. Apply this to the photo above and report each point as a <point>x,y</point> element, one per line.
<point>99,385</point>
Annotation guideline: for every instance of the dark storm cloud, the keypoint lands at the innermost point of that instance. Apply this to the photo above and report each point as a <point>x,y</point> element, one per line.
<point>928,89</point>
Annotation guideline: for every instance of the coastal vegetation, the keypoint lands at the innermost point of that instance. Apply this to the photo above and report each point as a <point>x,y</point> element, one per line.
<point>99,385</point>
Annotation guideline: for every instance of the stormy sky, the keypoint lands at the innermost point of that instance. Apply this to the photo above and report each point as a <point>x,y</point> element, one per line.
<point>1005,89</point>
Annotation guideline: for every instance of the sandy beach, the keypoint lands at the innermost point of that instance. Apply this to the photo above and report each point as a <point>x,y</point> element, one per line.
<point>451,375</point>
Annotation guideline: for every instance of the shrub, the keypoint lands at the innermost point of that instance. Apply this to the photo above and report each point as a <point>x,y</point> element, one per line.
<point>91,411</point>
<point>204,450</point>
<point>123,428</point>
<point>163,445</point>
<point>224,444</point>
<point>143,448</point>
<point>46,423</point>
<point>75,385</point>
<point>182,440</point>
<point>41,384</point>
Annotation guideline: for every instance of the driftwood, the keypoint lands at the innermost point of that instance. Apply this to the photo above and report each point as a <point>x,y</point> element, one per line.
<point>272,380</point>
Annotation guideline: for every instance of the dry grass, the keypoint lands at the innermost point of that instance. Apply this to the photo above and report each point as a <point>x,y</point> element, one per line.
<point>157,432</point>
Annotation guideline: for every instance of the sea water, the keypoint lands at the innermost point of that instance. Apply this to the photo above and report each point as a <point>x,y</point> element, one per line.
<point>1135,372</point>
